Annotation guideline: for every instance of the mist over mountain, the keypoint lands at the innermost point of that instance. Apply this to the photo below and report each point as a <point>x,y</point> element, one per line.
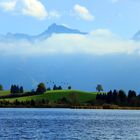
<point>52,29</point>
<point>67,56</point>
<point>136,37</point>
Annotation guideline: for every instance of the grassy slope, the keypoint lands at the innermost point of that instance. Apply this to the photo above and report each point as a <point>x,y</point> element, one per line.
<point>4,93</point>
<point>55,95</point>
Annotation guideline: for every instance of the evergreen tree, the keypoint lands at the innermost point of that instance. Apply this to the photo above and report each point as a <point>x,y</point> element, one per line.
<point>131,94</point>
<point>54,87</point>
<point>21,90</point>
<point>1,87</point>
<point>17,89</point>
<point>110,97</point>
<point>115,96</point>
<point>59,88</point>
<point>69,87</point>
<point>122,97</point>
<point>11,89</point>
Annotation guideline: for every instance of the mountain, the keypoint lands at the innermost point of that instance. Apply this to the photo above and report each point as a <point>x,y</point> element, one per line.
<point>58,29</point>
<point>136,37</point>
<point>52,29</point>
<point>17,36</point>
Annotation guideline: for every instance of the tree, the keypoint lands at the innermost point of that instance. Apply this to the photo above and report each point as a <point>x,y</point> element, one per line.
<point>132,98</point>
<point>48,89</point>
<point>32,103</point>
<point>59,88</point>
<point>131,94</point>
<point>41,88</point>
<point>21,89</point>
<point>54,87</point>
<point>69,87</point>
<point>11,89</point>
<point>110,97</point>
<point>16,102</point>
<point>1,87</point>
<point>122,97</point>
<point>115,96</point>
<point>99,88</point>
<point>15,89</point>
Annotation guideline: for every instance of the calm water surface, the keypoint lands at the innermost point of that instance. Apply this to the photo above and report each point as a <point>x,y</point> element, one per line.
<point>68,124</point>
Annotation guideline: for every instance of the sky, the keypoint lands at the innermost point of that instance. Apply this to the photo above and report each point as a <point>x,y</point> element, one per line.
<point>34,16</point>
<point>110,24</point>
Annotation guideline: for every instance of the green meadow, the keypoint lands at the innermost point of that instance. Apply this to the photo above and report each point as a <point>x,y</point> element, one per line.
<point>5,92</point>
<point>55,96</point>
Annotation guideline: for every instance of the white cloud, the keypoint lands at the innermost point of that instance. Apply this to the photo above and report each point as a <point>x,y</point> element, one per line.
<point>54,14</point>
<point>98,42</point>
<point>32,8</point>
<point>114,1</point>
<point>83,12</point>
<point>8,5</point>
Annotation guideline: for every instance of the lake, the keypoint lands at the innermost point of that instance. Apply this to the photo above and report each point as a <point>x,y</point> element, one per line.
<point>69,124</point>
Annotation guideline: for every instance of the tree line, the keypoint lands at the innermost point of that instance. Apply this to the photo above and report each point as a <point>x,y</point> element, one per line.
<point>18,91</point>
<point>119,98</point>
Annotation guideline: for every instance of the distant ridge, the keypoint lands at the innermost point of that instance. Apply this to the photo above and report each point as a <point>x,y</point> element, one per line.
<point>136,37</point>
<point>54,28</point>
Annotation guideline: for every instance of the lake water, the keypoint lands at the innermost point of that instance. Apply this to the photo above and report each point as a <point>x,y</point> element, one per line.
<point>69,124</point>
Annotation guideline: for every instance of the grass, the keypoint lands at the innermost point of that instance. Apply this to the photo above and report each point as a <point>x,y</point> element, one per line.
<point>56,95</point>
<point>4,93</point>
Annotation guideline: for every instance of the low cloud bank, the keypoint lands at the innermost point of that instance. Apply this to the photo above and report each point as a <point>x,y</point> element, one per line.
<point>98,42</point>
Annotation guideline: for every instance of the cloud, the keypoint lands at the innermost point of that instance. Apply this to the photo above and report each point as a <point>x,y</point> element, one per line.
<point>97,42</point>
<point>54,14</point>
<point>114,1</point>
<point>8,5</point>
<point>32,8</point>
<point>83,13</point>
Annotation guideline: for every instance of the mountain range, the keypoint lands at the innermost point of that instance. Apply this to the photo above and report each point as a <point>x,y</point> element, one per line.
<point>52,29</point>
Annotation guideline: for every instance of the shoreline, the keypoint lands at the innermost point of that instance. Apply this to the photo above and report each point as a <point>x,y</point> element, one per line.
<point>102,108</point>
<point>75,107</point>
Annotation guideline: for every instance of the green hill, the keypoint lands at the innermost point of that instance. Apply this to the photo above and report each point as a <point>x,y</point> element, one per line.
<point>4,93</point>
<point>81,96</point>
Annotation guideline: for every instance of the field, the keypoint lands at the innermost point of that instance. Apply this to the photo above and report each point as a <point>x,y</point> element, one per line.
<point>4,93</point>
<point>81,96</point>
